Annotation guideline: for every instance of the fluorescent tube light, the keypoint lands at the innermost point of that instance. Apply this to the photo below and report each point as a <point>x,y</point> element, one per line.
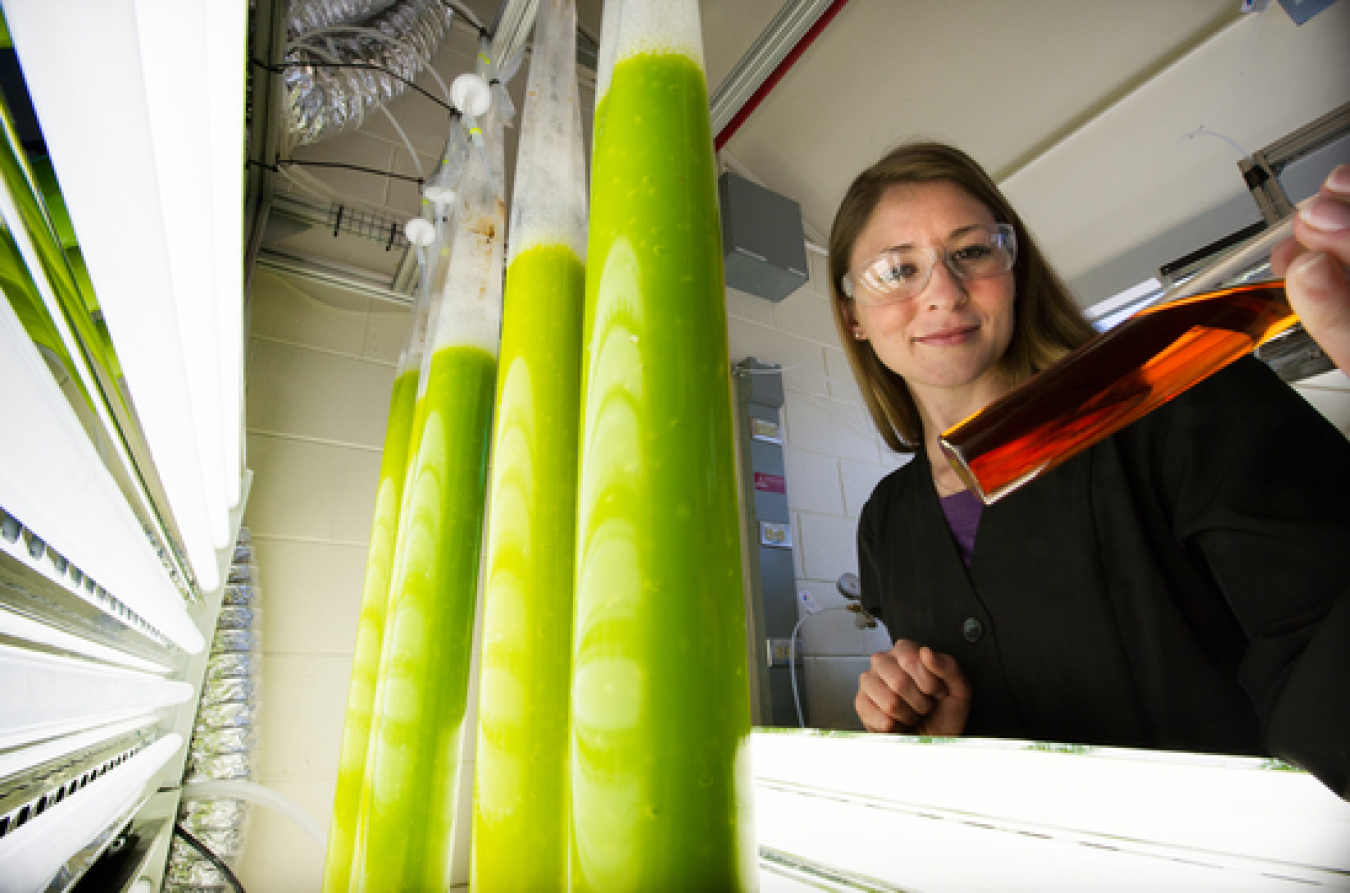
<point>138,79</point>
<point>907,813</point>
<point>45,695</point>
<point>53,481</point>
<point>31,855</point>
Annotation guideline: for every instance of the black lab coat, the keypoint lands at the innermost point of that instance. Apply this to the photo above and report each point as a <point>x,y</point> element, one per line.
<point>1183,585</point>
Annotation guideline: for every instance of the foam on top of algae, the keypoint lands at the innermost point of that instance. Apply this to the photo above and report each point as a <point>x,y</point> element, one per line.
<point>646,29</point>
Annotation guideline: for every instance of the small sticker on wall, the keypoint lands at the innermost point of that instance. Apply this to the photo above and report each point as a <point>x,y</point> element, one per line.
<point>770,483</point>
<point>765,430</point>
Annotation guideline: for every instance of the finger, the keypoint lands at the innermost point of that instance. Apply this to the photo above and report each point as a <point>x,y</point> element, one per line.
<point>1319,291</point>
<point>907,655</point>
<point>873,719</point>
<point>1338,181</point>
<point>897,674</point>
<point>1320,223</point>
<point>1323,224</point>
<point>948,669</point>
<point>890,702</point>
<point>1284,254</point>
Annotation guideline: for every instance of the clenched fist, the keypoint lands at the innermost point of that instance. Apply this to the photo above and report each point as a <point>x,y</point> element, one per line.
<point>914,690</point>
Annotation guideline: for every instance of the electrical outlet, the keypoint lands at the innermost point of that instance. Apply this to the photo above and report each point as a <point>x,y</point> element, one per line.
<point>808,603</point>
<point>780,653</point>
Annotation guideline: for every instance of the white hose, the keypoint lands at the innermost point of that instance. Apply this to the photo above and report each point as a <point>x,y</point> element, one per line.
<point>259,795</point>
<point>792,660</point>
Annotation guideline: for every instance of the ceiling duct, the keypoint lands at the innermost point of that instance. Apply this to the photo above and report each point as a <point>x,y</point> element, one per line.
<point>309,15</point>
<point>337,73</point>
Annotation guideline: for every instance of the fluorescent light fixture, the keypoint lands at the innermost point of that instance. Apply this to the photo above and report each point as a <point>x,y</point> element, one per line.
<point>978,814</point>
<point>31,855</point>
<point>139,81</point>
<point>45,695</point>
<point>1114,310</point>
<point>12,762</point>
<point>53,481</point>
<point>227,41</point>
<point>17,626</point>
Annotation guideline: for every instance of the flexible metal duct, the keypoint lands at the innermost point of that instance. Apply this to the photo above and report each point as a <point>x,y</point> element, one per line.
<point>224,745</point>
<point>322,100</point>
<point>307,15</point>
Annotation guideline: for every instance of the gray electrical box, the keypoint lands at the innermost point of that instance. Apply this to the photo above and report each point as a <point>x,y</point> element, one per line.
<point>763,249</point>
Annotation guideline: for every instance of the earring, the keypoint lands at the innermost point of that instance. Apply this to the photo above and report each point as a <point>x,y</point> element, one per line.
<point>858,335</point>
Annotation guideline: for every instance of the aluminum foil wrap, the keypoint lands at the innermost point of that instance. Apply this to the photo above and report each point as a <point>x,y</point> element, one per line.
<point>240,595</point>
<point>243,548</point>
<point>238,617</point>
<point>187,870</point>
<point>224,744</point>
<point>233,714</point>
<point>205,815</point>
<point>307,15</point>
<point>224,666</point>
<point>230,688</point>
<point>323,100</point>
<point>243,573</point>
<point>235,640</point>
<point>228,740</point>
<point>219,767</point>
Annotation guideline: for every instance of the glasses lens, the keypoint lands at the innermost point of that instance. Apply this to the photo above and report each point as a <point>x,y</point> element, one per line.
<point>983,252</point>
<point>893,276</point>
<point>899,274</point>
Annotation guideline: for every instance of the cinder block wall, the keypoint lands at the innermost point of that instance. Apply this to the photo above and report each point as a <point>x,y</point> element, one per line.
<point>834,458</point>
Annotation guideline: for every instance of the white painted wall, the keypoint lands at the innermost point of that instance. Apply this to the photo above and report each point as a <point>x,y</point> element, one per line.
<point>320,370</point>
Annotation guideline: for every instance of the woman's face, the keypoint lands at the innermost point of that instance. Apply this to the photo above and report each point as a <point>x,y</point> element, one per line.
<point>950,337</point>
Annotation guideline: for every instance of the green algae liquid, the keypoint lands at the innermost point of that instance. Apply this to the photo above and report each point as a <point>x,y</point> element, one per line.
<point>520,806</point>
<point>408,797</point>
<point>661,784</point>
<point>370,632</point>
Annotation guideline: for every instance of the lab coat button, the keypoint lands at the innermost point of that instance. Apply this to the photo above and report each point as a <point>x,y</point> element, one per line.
<point>972,629</point>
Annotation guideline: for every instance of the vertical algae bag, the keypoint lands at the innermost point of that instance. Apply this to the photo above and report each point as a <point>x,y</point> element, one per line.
<point>520,805</point>
<point>661,778</point>
<point>374,602</point>
<point>408,799</point>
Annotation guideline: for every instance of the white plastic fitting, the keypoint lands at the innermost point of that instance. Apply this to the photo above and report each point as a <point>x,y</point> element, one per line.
<point>420,232</point>
<point>471,94</point>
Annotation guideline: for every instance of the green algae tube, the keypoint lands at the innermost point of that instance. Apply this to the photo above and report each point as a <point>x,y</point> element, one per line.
<point>661,779</point>
<point>409,792</point>
<point>374,603</point>
<point>519,840</point>
<point>520,803</point>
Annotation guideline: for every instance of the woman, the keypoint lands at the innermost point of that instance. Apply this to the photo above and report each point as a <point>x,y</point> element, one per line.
<point>1181,585</point>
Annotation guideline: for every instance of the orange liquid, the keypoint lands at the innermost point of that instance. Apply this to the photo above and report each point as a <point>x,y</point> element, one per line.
<point>1111,381</point>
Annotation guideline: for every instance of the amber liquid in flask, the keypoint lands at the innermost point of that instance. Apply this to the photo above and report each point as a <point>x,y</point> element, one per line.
<point>1111,381</point>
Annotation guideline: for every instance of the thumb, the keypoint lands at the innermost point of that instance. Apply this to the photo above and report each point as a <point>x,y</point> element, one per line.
<point>946,668</point>
<point>1320,295</point>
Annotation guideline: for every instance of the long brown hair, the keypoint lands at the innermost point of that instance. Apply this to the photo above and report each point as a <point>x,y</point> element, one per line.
<point>1047,324</point>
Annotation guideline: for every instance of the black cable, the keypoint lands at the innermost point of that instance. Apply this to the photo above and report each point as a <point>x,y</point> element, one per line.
<point>457,10</point>
<point>211,857</point>
<point>367,66</point>
<point>275,168</point>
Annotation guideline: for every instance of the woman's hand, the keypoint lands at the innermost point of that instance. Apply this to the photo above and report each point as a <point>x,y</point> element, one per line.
<point>914,690</point>
<point>1314,266</point>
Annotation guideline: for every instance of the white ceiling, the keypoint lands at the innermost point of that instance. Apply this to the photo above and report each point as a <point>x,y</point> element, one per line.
<point>1080,108</point>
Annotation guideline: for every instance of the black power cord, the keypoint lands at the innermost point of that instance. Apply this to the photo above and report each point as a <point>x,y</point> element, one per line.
<point>190,839</point>
<point>274,168</point>
<point>365,66</point>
